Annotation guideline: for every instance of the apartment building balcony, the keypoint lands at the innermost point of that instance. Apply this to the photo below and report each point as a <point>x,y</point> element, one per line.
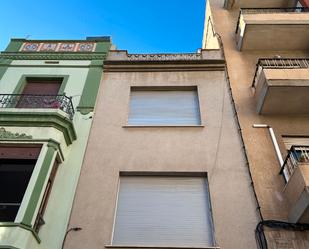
<point>282,86</point>
<point>55,111</point>
<point>273,29</point>
<point>255,3</point>
<point>296,174</point>
<point>54,102</point>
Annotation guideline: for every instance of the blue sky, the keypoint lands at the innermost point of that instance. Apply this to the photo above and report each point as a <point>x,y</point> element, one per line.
<point>140,26</point>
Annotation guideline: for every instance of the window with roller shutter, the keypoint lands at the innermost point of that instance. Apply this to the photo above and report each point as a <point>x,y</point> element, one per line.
<point>163,211</point>
<point>164,106</point>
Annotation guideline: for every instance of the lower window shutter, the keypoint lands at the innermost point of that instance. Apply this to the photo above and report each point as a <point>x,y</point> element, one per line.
<point>163,211</point>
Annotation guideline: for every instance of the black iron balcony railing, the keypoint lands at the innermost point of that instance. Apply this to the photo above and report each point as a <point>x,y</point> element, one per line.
<point>297,155</point>
<point>269,11</point>
<point>61,102</point>
<point>279,63</point>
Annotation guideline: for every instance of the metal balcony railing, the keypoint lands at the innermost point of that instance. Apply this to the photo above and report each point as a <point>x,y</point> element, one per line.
<point>297,155</point>
<point>61,102</point>
<point>269,11</point>
<point>279,63</point>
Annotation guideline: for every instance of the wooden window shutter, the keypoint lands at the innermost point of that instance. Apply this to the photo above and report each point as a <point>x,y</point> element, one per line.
<point>20,152</point>
<point>42,87</point>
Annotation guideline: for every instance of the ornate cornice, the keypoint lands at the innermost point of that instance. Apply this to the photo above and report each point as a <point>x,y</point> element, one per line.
<point>52,56</point>
<point>209,56</point>
<point>4,134</point>
<point>39,119</point>
<point>164,57</point>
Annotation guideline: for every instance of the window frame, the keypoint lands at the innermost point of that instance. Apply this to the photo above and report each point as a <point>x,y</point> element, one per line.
<point>25,77</point>
<point>50,153</point>
<point>164,88</point>
<point>39,220</point>
<point>35,150</point>
<point>163,174</point>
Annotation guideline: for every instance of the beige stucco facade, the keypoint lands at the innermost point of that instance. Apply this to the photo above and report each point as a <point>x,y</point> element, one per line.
<point>214,147</point>
<point>276,199</point>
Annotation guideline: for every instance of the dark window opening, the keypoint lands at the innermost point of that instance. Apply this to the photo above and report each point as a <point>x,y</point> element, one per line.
<point>14,178</point>
<point>16,166</point>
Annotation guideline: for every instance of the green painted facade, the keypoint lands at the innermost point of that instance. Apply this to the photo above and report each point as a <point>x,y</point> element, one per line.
<point>90,91</point>
<point>61,136</point>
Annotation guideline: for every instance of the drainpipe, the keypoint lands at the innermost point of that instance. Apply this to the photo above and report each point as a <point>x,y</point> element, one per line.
<point>274,140</point>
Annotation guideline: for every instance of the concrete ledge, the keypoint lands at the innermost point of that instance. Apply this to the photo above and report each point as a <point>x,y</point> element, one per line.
<point>39,118</point>
<point>19,225</point>
<point>163,126</point>
<point>161,247</point>
<point>273,31</point>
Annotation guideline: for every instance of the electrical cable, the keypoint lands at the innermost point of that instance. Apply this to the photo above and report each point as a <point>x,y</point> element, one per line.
<point>236,115</point>
<point>66,234</point>
<point>220,134</point>
<point>275,224</point>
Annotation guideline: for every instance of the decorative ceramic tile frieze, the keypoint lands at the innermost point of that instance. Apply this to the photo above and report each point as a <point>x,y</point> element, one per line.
<point>30,47</point>
<point>49,47</point>
<point>85,47</point>
<point>67,47</point>
<point>58,47</point>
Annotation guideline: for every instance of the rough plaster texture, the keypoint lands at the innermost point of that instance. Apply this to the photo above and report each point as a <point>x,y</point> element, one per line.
<point>263,162</point>
<point>214,148</point>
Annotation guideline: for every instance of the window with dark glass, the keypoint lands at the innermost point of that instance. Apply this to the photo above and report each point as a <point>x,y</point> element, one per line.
<point>16,167</point>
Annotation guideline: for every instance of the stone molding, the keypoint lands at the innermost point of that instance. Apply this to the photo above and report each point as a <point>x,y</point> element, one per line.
<point>164,57</point>
<point>52,56</point>
<point>4,134</point>
<point>200,55</point>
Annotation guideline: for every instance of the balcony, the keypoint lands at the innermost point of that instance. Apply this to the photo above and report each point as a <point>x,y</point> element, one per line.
<point>296,174</point>
<point>282,86</point>
<point>54,111</point>
<point>255,3</point>
<point>273,29</point>
<point>60,102</point>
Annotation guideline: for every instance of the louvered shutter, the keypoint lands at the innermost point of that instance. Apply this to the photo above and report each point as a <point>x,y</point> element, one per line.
<point>164,107</point>
<point>39,87</point>
<point>163,211</point>
<point>42,87</point>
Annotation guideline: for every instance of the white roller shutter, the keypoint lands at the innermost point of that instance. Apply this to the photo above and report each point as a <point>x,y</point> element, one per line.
<point>163,211</point>
<point>164,107</point>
